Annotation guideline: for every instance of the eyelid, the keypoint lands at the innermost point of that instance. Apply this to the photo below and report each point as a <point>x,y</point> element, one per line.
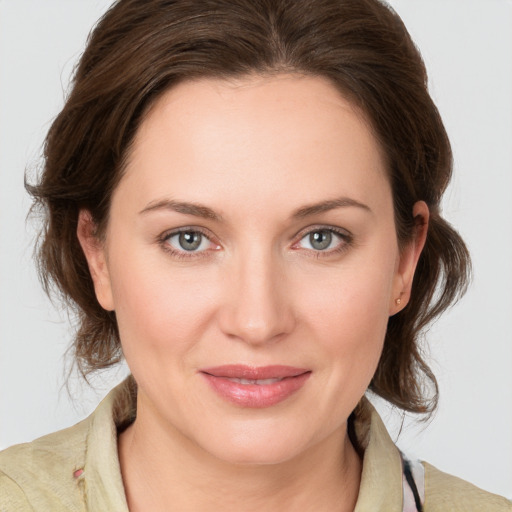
<point>341,233</point>
<point>164,237</point>
<point>323,227</point>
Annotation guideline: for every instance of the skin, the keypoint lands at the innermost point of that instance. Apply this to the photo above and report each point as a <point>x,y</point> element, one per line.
<point>256,292</point>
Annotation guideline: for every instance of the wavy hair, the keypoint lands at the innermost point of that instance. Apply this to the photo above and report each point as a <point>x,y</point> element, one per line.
<point>141,48</point>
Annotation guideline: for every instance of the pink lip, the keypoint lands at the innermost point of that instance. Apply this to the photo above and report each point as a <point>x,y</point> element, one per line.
<point>255,395</point>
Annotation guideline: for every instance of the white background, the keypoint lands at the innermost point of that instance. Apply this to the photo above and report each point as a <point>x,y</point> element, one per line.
<point>467,45</point>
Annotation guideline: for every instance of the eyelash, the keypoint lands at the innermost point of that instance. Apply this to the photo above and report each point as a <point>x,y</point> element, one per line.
<point>163,240</point>
<point>346,240</point>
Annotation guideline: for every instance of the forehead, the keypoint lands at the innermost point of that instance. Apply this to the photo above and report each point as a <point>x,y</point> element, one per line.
<point>258,137</point>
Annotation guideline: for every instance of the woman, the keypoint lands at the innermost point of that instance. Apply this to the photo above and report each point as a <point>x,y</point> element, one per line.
<point>242,201</point>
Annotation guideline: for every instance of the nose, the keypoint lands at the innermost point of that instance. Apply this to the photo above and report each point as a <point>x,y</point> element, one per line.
<point>257,307</point>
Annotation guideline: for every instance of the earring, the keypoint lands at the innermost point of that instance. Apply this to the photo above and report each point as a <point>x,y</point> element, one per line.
<point>398,301</point>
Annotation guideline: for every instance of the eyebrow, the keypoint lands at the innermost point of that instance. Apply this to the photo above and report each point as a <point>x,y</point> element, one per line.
<point>198,210</point>
<point>325,206</point>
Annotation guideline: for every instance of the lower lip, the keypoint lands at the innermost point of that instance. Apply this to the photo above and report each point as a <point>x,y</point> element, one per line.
<point>255,395</point>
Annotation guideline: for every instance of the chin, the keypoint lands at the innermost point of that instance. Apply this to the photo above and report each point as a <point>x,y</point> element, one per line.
<point>253,445</point>
<point>254,456</point>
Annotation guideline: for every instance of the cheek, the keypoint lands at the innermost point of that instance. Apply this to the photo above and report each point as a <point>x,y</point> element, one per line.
<point>159,309</point>
<point>352,297</point>
<point>347,312</point>
<point>353,328</point>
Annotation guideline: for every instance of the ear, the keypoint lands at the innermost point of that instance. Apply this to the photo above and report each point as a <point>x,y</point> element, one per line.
<point>95,254</point>
<point>408,259</point>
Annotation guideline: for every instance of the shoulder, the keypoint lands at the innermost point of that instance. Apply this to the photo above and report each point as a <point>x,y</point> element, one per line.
<point>39,475</point>
<point>12,497</point>
<point>446,492</point>
<point>64,470</point>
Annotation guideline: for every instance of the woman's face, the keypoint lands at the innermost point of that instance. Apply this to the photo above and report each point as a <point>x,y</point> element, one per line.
<point>252,262</point>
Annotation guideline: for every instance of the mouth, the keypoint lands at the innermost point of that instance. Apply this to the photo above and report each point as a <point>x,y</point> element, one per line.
<point>255,387</point>
<point>257,382</point>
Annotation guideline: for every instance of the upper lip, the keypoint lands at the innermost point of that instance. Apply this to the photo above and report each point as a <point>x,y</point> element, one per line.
<point>240,371</point>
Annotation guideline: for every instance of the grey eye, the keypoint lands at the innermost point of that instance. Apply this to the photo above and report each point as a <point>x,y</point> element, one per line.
<point>190,240</point>
<point>320,240</point>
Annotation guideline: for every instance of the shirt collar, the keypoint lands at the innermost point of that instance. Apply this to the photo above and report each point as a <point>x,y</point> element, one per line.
<point>381,479</point>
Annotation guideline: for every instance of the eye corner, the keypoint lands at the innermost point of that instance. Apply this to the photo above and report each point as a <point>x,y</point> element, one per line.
<point>342,237</point>
<point>201,244</point>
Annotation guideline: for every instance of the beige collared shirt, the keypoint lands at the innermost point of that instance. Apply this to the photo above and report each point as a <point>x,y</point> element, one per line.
<point>77,469</point>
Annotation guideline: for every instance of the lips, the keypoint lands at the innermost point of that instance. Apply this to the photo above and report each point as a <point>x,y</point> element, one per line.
<point>255,387</point>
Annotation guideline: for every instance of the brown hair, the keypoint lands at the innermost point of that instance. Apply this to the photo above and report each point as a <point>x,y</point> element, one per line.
<point>140,48</point>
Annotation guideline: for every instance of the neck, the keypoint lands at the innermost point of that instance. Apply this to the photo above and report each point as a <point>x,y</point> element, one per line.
<point>162,468</point>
